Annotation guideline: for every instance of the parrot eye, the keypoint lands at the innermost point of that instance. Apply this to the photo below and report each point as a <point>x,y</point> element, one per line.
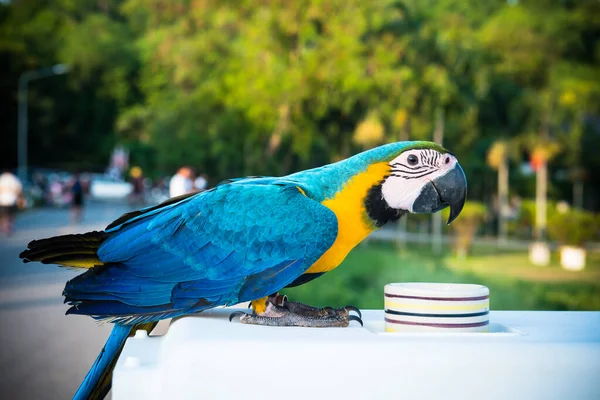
<point>447,161</point>
<point>412,159</point>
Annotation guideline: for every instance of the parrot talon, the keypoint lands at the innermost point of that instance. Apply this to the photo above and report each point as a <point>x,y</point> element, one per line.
<point>235,314</point>
<point>282,312</point>
<point>355,318</point>
<point>355,309</point>
<point>306,310</point>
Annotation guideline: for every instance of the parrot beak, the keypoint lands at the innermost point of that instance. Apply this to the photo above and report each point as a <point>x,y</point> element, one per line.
<point>449,189</point>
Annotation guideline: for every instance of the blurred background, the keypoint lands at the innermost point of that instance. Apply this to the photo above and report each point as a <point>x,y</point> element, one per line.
<point>108,105</point>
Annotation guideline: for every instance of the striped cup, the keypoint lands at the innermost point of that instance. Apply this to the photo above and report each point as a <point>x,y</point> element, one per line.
<point>436,307</point>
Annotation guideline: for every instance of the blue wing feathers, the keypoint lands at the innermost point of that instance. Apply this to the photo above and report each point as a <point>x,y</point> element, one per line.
<point>260,284</point>
<point>234,243</point>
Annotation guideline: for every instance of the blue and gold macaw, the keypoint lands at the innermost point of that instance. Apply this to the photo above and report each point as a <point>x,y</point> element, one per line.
<point>245,240</point>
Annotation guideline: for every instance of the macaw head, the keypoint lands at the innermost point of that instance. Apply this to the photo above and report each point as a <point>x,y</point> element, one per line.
<point>424,178</point>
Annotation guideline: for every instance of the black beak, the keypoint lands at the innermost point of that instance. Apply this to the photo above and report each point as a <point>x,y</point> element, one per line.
<point>449,189</point>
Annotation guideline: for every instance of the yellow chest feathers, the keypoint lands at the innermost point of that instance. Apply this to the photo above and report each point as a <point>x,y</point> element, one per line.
<point>353,223</point>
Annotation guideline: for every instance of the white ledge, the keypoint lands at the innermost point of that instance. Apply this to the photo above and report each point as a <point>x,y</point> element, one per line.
<point>526,355</point>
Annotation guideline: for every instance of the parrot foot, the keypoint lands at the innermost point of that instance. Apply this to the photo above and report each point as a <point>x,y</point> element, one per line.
<point>281,316</point>
<point>281,300</point>
<point>309,311</point>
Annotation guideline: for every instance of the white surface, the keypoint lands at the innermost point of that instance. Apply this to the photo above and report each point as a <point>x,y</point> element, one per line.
<point>526,355</point>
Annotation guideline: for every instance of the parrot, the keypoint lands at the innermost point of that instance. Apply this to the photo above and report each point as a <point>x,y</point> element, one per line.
<point>244,240</point>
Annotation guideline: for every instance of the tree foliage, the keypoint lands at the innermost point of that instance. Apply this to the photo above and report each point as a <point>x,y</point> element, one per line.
<point>273,86</point>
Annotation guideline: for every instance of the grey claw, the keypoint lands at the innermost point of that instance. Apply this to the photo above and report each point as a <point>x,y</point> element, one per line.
<point>235,314</point>
<point>354,318</point>
<point>355,309</point>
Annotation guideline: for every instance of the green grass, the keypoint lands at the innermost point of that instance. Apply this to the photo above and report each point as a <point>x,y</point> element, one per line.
<point>514,283</point>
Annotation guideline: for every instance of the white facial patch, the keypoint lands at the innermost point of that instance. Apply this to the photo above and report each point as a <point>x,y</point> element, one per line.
<point>411,171</point>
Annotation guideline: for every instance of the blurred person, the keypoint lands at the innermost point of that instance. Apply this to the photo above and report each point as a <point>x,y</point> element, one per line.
<point>515,205</point>
<point>42,186</point>
<point>86,181</point>
<point>137,181</point>
<point>159,190</point>
<point>181,183</point>
<point>76,190</point>
<point>113,173</point>
<point>200,183</point>
<point>11,192</point>
<point>55,190</point>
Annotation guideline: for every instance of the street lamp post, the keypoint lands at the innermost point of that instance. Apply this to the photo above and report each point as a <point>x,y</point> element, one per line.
<point>24,80</point>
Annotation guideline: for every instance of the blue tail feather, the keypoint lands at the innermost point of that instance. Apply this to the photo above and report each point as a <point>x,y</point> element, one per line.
<point>103,365</point>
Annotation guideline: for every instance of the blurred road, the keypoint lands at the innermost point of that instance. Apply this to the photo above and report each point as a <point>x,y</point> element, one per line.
<point>43,353</point>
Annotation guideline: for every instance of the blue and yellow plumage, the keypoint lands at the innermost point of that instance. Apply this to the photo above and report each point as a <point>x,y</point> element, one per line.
<point>241,241</point>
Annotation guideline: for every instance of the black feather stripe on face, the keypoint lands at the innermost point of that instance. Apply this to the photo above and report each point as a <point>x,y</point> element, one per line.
<point>377,208</point>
